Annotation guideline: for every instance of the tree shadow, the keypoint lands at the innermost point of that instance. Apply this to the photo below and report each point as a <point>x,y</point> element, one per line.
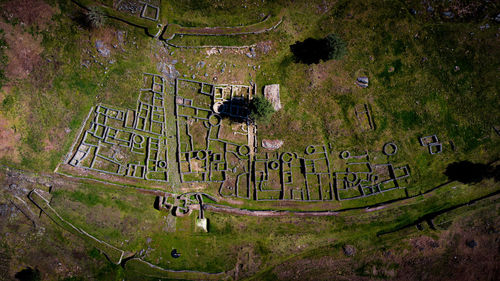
<point>310,51</point>
<point>469,172</point>
<point>79,17</point>
<point>28,274</point>
<point>235,109</point>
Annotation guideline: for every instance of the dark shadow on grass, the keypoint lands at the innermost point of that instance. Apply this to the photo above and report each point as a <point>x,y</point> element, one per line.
<point>28,274</point>
<point>310,51</point>
<point>314,51</point>
<point>235,109</point>
<point>80,18</point>
<point>468,172</point>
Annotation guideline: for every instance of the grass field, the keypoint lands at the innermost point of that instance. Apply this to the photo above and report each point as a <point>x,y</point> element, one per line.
<point>428,74</point>
<point>218,250</point>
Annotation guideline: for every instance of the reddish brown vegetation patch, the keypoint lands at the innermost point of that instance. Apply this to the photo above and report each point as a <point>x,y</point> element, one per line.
<point>324,268</point>
<point>28,11</point>
<point>469,250</point>
<point>424,243</point>
<point>109,36</point>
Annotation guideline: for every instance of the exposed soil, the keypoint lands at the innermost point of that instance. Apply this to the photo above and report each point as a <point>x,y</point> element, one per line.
<point>424,243</point>
<point>109,36</point>
<point>28,245</point>
<point>23,52</point>
<point>324,268</point>
<point>80,172</point>
<point>470,10</point>
<point>266,213</point>
<point>451,257</point>
<point>232,201</point>
<point>223,30</point>
<point>265,46</point>
<point>8,137</point>
<point>319,75</point>
<point>246,264</point>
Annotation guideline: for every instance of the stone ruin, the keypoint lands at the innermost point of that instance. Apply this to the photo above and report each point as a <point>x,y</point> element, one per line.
<point>124,142</point>
<point>212,148</point>
<point>272,94</point>
<point>432,143</point>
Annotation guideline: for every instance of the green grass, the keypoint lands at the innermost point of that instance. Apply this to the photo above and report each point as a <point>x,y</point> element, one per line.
<point>417,98</point>
<point>197,41</point>
<point>414,91</point>
<point>45,109</point>
<point>149,26</point>
<point>202,13</point>
<point>269,237</point>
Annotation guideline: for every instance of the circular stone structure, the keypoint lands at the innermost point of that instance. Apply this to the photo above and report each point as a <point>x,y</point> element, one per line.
<point>274,165</point>
<point>287,157</point>
<point>345,154</point>
<point>390,148</point>
<point>201,154</point>
<point>217,106</point>
<point>138,139</point>
<point>214,120</point>
<point>351,178</point>
<point>243,150</point>
<point>310,149</point>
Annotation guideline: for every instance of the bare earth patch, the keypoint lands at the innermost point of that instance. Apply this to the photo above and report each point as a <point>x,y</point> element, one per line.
<point>108,36</point>
<point>265,46</point>
<point>23,52</point>
<point>324,268</point>
<point>8,137</point>
<point>8,140</point>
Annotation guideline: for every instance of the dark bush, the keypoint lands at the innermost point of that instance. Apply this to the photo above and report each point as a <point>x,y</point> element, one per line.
<point>260,109</point>
<point>336,47</point>
<point>95,17</point>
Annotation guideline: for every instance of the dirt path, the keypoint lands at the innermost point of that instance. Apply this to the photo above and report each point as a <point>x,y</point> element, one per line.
<point>267,213</point>
<point>251,140</point>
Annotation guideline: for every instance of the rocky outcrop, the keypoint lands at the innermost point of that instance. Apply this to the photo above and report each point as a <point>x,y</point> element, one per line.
<point>349,250</point>
<point>272,144</point>
<point>362,82</point>
<point>272,94</point>
<point>102,49</point>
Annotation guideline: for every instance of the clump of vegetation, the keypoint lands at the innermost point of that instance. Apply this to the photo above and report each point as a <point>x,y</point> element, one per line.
<point>337,48</point>
<point>95,17</point>
<point>313,50</point>
<point>260,109</point>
